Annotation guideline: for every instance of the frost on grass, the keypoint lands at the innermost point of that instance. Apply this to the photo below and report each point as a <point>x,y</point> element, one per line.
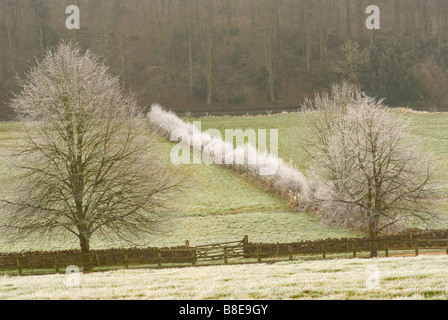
<point>423,277</point>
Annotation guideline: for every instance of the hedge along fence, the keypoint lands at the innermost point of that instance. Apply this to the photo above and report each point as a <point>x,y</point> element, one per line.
<point>240,251</point>
<point>59,260</point>
<point>413,239</point>
<point>265,167</point>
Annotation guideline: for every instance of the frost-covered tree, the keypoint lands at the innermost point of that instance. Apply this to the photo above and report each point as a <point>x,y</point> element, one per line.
<point>368,174</point>
<point>87,162</point>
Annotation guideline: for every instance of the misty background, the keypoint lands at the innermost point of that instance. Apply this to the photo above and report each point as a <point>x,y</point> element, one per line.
<point>238,56</point>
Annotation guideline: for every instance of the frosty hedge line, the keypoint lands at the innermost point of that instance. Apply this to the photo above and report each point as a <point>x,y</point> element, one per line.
<point>264,166</point>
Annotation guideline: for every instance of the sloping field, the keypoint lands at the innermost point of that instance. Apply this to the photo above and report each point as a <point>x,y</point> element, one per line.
<point>428,130</point>
<point>218,205</point>
<point>423,277</point>
<point>222,205</point>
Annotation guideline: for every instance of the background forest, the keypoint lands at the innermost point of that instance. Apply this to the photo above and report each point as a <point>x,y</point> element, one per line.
<point>241,55</point>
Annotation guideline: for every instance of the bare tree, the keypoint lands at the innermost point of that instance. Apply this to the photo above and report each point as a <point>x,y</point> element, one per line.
<point>87,163</point>
<point>368,174</point>
<point>207,44</point>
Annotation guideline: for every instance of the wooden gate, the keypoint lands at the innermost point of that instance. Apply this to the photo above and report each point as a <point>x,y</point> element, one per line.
<point>220,251</point>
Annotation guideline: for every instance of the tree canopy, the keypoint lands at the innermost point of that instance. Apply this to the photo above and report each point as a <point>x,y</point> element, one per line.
<point>86,163</point>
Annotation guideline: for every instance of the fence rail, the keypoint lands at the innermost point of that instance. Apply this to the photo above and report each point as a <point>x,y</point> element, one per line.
<point>224,253</point>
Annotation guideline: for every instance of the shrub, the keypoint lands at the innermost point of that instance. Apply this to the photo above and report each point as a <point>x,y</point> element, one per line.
<point>244,157</point>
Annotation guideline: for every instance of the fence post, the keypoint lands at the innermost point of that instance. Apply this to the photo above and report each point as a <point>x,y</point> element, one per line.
<point>126,263</point>
<point>56,263</point>
<point>159,258</point>
<point>258,254</point>
<point>193,259</point>
<point>416,247</point>
<point>90,262</point>
<point>290,253</point>
<point>226,260</point>
<point>19,264</point>
<point>323,251</point>
<point>246,246</point>
<point>354,249</point>
<point>387,249</point>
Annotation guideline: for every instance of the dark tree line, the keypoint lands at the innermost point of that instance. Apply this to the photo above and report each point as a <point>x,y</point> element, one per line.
<point>234,54</point>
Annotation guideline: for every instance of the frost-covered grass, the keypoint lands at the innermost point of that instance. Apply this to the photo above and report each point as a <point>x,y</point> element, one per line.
<point>219,205</point>
<point>423,277</point>
<point>429,130</point>
<point>268,226</point>
<point>222,205</point>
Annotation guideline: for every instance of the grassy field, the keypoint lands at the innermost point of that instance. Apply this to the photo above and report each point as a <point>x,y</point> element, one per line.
<point>428,130</point>
<point>221,205</point>
<point>422,277</point>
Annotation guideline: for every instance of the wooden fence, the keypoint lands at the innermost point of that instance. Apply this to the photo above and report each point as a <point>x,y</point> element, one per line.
<point>218,253</point>
<point>55,262</point>
<point>353,247</point>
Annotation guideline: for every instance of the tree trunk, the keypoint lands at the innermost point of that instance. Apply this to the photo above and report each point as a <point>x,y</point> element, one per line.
<point>270,68</point>
<point>347,18</point>
<point>11,50</point>
<point>426,18</point>
<point>105,41</point>
<point>188,8</point>
<point>373,236</point>
<point>307,37</point>
<point>41,38</point>
<point>322,31</point>
<point>397,15</point>
<point>228,10</point>
<point>120,56</point>
<point>271,45</point>
<point>209,67</point>
<point>190,62</point>
<point>413,17</point>
<point>84,242</point>
<point>208,50</point>
<point>360,17</point>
